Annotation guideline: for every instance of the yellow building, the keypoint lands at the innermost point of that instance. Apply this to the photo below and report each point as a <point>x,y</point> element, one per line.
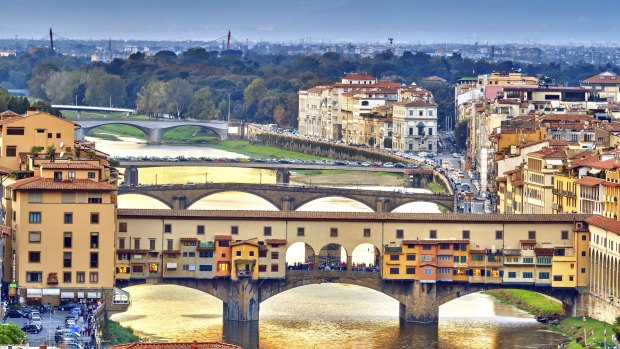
<point>538,178</point>
<point>244,259</point>
<point>570,263</point>
<point>64,237</point>
<point>565,193</point>
<point>19,134</point>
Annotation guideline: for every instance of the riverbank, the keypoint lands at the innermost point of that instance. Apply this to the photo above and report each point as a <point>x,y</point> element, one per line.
<point>117,334</point>
<point>260,151</point>
<point>342,177</point>
<point>581,333</point>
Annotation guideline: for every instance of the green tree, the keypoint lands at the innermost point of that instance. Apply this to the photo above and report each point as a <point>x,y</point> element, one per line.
<point>10,334</point>
<point>461,133</point>
<point>103,89</point>
<point>178,94</point>
<point>255,91</point>
<point>62,86</point>
<point>151,98</point>
<point>203,105</point>
<point>40,75</point>
<point>46,107</point>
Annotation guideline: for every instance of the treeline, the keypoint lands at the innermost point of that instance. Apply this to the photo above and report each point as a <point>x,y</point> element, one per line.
<point>20,105</point>
<point>199,83</point>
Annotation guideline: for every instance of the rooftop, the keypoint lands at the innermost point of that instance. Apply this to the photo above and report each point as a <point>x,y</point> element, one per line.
<point>76,165</point>
<point>187,345</point>
<point>605,223</point>
<point>40,183</point>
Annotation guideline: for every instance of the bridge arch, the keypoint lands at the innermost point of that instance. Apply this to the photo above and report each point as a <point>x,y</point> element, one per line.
<point>88,130</point>
<point>195,200</point>
<point>300,256</point>
<point>148,195</point>
<point>365,257</point>
<point>200,126</point>
<point>299,206</point>
<point>400,207</point>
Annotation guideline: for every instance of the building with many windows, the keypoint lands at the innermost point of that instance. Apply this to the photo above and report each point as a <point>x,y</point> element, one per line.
<point>414,126</point>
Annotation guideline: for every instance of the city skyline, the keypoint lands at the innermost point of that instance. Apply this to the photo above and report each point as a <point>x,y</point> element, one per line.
<point>319,21</point>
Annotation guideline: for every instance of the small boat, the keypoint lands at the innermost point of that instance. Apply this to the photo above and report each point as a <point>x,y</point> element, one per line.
<point>542,319</point>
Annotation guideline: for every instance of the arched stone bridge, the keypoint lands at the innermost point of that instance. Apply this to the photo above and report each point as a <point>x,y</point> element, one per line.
<point>284,197</point>
<point>153,129</point>
<point>419,302</point>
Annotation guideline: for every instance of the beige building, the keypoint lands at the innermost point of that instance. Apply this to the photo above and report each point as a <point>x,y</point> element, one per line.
<point>414,126</point>
<point>63,241</point>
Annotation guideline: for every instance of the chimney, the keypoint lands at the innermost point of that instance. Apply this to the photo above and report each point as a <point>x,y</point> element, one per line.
<point>194,345</point>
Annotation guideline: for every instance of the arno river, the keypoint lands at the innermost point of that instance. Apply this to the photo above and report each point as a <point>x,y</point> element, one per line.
<point>315,316</point>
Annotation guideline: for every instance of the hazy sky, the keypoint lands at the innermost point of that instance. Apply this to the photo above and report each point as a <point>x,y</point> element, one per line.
<point>557,21</point>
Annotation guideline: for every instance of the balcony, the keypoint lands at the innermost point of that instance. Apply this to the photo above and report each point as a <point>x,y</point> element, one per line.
<point>556,191</point>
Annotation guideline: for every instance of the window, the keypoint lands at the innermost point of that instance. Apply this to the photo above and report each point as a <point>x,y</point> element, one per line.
<point>394,257</point>
<point>262,253</point>
<point>80,277</point>
<point>583,270</point>
<point>267,231</point>
<point>274,255</point>
<point>205,267</point>
<point>167,228</point>
<point>68,198</point>
<point>94,259</point>
<point>411,257</point>
<point>58,135</point>
<point>34,236</point>
<point>400,233</point>
<point>528,260</point>
<point>463,259</point>
<point>251,253</point>
<point>428,271</point>
<point>543,260</point>
<point>94,240</point>
<point>444,271</point>
<point>34,276</point>
<point>366,232</point>
<point>205,254</point>
<point>200,230</point>
<point>262,268</point>
<point>583,253</point>
<point>94,277</point>
<point>531,235</point>
<point>426,247</point>
<point>71,175</point>
<point>136,243</point>
<point>274,268</point>
<point>583,237</point>
<point>169,244</point>
<point>35,197</point>
<point>301,231</point>
<point>465,234</point>
<point>137,269</point>
<point>15,131</point>
<point>68,218</point>
<point>410,271</point>
<point>443,258</point>
<point>11,152</point>
<point>564,234</point>
<point>333,232</point>
<point>432,234</point>
<point>121,243</point>
<point>34,257</point>
<point>66,276</point>
<point>499,234</point>
<point>543,275</point>
<point>68,240</point>
<point>394,271</point>
<point>66,260</point>
<point>93,198</point>
<point>444,246</point>
<point>152,244</point>
<point>92,175</point>
<point>40,130</point>
<point>557,277</point>
<point>122,227</point>
<point>49,135</point>
<point>238,253</point>
<point>527,275</point>
<point>34,217</point>
<point>94,218</point>
<point>512,275</point>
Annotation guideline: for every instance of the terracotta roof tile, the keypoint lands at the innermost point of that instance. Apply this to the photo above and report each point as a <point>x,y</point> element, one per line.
<point>359,77</point>
<point>435,241</point>
<point>40,183</point>
<point>223,237</point>
<point>605,78</point>
<point>74,165</point>
<point>528,242</point>
<point>275,241</point>
<point>605,223</point>
<point>590,181</point>
<point>171,252</point>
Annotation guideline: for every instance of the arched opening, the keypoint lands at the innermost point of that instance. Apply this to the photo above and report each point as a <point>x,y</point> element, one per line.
<point>188,134</point>
<point>117,131</point>
<point>332,257</point>
<point>140,201</point>
<point>233,200</point>
<point>334,204</point>
<point>300,256</point>
<point>365,257</point>
<point>418,207</point>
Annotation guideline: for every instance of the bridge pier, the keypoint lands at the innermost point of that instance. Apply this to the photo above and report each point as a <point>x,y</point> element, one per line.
<point>154,136</point>
<point>383,205</point>
<point>131,176</point>
<point>287,203</point>
<point>242,302</point>
<point>80,133</point>
<point>179,202</point>
<point>283,176</point>
<point>421,304</point>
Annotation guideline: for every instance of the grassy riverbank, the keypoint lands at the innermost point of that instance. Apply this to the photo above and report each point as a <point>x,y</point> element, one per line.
<point>571,327</point>
<point>111,132</point>
<point>260,151</point>
<point>118,334</point>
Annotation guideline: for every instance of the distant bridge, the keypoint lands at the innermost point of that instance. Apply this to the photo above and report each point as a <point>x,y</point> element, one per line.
<point>284,197</point>
<point>81,108</point>
<point>153,128</point>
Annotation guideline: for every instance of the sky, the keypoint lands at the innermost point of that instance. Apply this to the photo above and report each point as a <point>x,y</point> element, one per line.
<point>411,21</point>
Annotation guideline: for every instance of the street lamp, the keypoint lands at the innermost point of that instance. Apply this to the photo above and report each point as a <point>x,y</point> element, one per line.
<point>206,177</point>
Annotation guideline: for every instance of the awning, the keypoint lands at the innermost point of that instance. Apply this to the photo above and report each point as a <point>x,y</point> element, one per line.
<point>595,171</point>
<point>34,293</point>
<point>68,295</point>
<point>554,162</point>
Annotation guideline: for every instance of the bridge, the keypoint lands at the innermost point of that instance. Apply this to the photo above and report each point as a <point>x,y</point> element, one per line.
<point>419,293</point>
<point>81,108</point>
<point>152,128</point>
<point>284,197</point>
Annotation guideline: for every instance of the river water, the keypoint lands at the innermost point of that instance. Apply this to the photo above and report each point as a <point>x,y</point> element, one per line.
<point>314,316</point>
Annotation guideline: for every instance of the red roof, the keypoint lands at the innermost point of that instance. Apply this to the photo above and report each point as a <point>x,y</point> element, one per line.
<point>222,237</point>
<point>590,181</point>
<point>605,223</point>
<point>566,117</point>
<point>186,345</point>
<point>359,77</point>
<point>606,78</point>
<point>77,165</point>
<point>434,78</point>
<point>40,183</point>
<point>275,241</point>
<point>549,153</point>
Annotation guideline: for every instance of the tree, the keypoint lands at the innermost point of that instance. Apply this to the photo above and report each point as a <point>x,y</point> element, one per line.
<point>45,107</point>
<point>62,86</point>
<point>10,334</point>
<point>280,116</point>
<point>151,98</point>
<point>203,105</point>
<point>461,132</point>
<point>103,89</point>
<point>252,95</point>
<point>178,94</point>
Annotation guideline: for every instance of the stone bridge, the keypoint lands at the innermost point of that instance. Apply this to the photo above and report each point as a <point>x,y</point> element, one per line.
<point>153,129</point>
<point>419,302</point>
<point>284,197</point>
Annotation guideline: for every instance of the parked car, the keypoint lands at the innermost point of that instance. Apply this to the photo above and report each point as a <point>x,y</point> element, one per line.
<point>68,306</point>
<point>31,328</point>
<point>13,313</point>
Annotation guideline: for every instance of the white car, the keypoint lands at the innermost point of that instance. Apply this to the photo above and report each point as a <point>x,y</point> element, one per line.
<point>36,320</point>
